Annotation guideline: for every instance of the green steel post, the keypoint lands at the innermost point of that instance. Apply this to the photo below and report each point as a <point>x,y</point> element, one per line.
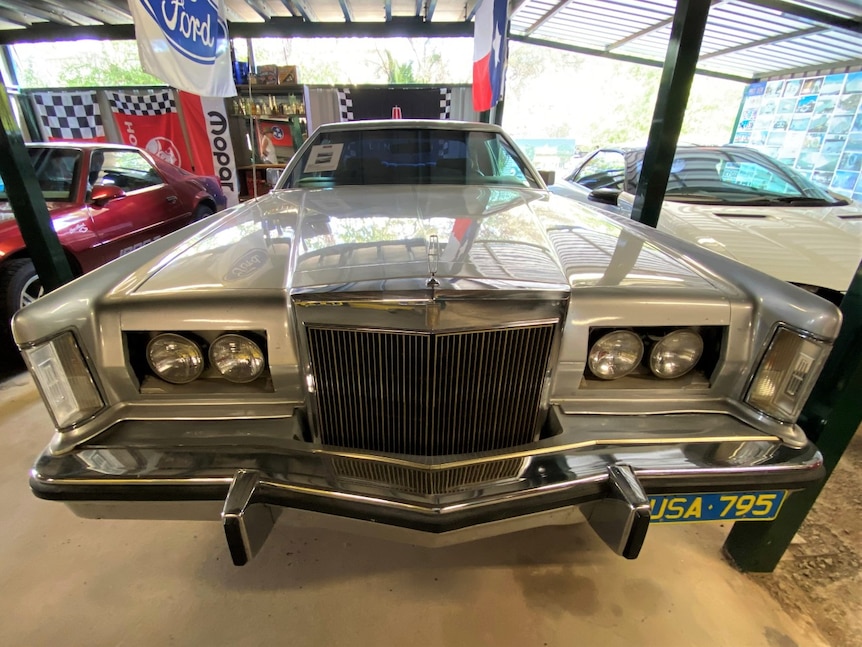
<point>830,418</point>
<point>28,203</point>
<point>677,75</point>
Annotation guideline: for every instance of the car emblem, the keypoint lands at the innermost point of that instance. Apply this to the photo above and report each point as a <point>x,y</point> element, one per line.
<point>433,257</point>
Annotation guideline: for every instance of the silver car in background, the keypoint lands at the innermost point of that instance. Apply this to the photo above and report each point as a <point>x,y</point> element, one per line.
<point>741,203</point>
<point>411,337</point>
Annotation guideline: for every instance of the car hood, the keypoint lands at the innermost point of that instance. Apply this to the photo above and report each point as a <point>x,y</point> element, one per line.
<point>819,246</point>
<point>376,239</point>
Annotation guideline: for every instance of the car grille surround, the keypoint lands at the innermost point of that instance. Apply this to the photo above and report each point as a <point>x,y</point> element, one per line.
<point>429,393</point>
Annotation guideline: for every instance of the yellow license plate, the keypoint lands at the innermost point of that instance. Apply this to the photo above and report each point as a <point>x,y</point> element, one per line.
<point>717,506</point>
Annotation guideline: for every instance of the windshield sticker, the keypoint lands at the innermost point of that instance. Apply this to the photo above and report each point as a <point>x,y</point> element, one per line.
<point>324,157</point>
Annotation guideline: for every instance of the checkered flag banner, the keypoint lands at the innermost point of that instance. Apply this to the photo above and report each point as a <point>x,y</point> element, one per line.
<point>445,103</point>
<point>142,105</point>
<point>346,104</point>
<point>70,115</point>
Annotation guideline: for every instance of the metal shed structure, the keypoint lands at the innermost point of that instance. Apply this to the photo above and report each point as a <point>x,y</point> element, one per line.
<point>743,40</point>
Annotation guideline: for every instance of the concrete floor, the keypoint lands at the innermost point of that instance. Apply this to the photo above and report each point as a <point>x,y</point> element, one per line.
<point>71,581</point>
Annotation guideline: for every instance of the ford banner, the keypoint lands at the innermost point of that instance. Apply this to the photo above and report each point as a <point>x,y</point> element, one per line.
<point>185,43</point>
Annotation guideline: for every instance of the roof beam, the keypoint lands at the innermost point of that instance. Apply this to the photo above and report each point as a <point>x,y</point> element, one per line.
<point>553,11</point>
<point>822,17</point>
<point>51,15</point>
<point>347,10</point>
<point>819,68</point>
<point>15,17</point>
<point>619,57</point>
<point>650,29</point>
<point>259,8</point>
<point>277,27</point>
<point>765,41</point>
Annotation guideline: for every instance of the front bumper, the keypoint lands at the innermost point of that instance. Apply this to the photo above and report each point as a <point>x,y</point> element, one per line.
<point>585,472</point>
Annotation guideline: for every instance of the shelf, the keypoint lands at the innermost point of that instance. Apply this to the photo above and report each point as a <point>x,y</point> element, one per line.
<point>270,117</point>
<point>258,88</point>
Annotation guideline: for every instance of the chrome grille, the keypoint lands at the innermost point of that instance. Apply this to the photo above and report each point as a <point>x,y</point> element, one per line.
<point>423,481</point>
<point>429,394</point>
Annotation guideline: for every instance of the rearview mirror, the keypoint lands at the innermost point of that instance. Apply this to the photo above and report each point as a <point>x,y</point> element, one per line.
<point>101,194</point>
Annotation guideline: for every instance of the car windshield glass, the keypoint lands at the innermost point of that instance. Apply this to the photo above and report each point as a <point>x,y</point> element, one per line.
<point>56,172</point>
<point>738,176</point>
<point>410,156</point>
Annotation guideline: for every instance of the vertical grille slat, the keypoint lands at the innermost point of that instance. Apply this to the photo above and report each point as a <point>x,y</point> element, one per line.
<point>429,394</point>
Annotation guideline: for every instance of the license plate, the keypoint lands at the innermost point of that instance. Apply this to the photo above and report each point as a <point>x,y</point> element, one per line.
<point>718,506</point>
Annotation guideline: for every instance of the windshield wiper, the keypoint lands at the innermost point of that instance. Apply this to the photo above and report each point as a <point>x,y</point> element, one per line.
<point>796,200</point>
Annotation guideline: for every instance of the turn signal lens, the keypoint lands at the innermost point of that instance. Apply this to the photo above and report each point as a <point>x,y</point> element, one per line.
<point>615,355</point>
<point>64,380</point>
<point>675,354</point>
<point>238,358</point>
<point>786,374</point>
<point>174,358</point>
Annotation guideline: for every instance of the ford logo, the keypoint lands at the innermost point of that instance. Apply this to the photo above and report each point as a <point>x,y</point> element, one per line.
<point>192,27</point>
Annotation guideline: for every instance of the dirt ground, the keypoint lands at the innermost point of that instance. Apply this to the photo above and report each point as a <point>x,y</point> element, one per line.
<point>821,573</point>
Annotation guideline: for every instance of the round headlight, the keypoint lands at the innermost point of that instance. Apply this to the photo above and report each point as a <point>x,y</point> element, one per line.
<point>236,357</point>
<point>675,354</point>
<point>174,358</point>
<point>616,354</point>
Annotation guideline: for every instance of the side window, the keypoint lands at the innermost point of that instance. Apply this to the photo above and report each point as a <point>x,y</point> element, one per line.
<point>128,170</point>
<point>604,169</point>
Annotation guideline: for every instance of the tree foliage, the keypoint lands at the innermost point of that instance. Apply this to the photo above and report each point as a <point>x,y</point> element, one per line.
<point>98,64</point>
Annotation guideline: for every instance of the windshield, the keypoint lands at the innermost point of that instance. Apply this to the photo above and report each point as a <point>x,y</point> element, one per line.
<point>410,156</point>
<point>56,172</point>
<point>738,176</point>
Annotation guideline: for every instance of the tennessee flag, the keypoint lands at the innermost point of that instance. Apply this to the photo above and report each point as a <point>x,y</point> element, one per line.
<point>489,53</point>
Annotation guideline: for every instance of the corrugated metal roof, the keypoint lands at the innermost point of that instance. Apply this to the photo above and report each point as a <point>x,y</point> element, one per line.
<point>744,39</point>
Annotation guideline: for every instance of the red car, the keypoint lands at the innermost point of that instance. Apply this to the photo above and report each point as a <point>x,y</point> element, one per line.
<point>105,200</point>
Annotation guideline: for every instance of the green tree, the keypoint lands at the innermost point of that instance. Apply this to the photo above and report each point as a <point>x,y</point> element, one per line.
<point>109,63</point>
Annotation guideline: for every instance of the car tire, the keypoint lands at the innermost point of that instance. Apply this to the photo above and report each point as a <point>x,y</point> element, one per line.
<point>202,211</point>
<point>19,286</point>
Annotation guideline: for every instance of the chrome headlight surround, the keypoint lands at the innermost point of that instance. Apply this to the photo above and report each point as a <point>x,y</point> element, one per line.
<point>675,354</point>
<point>175,358</point>
<point>787,373</point>
<point>64,380</point>
<point>615,354</point>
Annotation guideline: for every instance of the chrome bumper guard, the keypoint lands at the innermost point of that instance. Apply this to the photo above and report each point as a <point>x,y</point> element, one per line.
<point>620,519</point>
<point>564,479</point>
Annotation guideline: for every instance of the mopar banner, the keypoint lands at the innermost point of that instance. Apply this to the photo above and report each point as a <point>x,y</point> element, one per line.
<point>70,116</point>
<point>151,121</point>
<point>209,140</point>
<point>185,43</point>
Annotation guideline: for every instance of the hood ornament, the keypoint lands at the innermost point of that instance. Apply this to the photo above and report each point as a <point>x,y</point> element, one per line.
<point>433,258</point>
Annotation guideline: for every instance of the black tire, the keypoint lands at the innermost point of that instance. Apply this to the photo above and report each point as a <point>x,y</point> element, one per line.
<point>202,211</point>
<point>19,286</point>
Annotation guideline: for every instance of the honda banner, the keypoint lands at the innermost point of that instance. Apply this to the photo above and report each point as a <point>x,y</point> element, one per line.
<point>185,44</point>
<point>210,141</point>
<point>151,121</point>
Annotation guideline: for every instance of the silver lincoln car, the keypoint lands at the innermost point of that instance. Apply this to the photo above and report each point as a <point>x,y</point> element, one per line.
<point>411,337</point>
